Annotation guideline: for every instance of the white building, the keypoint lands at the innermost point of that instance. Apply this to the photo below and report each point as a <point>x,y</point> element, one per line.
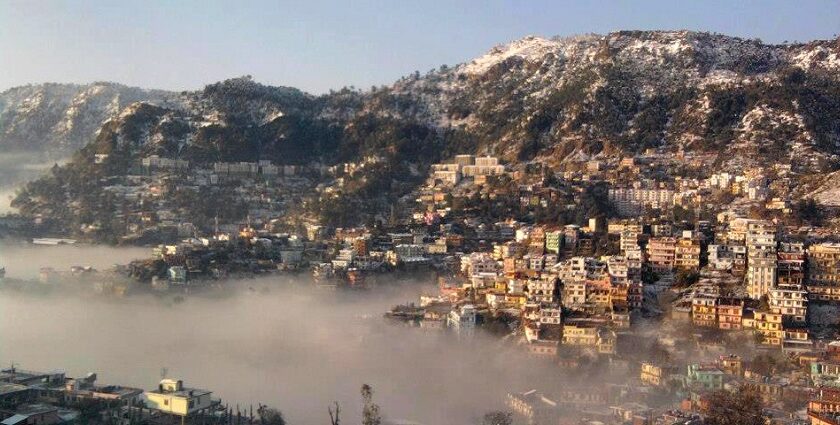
<point>633,201</point>
<point>173,398</point>
<point>791,301</point>
<point>550,316</point>
<point>463,320</point>
<point>761,258</point>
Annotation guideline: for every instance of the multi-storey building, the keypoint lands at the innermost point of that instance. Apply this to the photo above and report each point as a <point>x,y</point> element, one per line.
<point>477,263</point>
<point>797,340</point>
<point>617,268</point>
<point>505,250</point>
<point>553,241</point>
<point>730,313</point>
<point>619,296</point>
<point>737,232</point>
<point>661,253</point>
<point>791,264</point>
<point>580,334</point>
<point>655,375</point>
<point>571,234</point>
<point>769,326</point>
<point>720,257</point>
<point>536,262</point>
<point>826,373</point>
<point>687,254</point>
<point>824,271</point>
<point>551,315</point>
<point>599,295</point>
<point>630,238</point>
<point>635,200</point>
<point>705,377</point>
<point>463,320</point>
<point>484,166</point>
<point>660,230</point>
<point>791,302</point>
<point>731,364</point>
<point>574,293</point>
<point>761,258</point>
<point>634,266</point>
<point>543,289</point>
<point>704,310</point>
<point>825,407</point>
<point>635,295</point>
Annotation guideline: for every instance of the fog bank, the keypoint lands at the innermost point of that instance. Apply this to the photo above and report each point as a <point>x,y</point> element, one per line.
<point>24,260</point>
<point>15,170</point>
<point>282,343</point>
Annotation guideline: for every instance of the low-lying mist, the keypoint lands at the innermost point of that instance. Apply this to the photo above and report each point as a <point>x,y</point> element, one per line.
<point>15,170</point>
<point>277,341</point>
<point>24,260</point>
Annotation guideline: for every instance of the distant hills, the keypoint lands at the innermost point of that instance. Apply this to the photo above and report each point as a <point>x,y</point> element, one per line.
<point>553,101</point>
<point>548,99</point>
<point>57,119</point>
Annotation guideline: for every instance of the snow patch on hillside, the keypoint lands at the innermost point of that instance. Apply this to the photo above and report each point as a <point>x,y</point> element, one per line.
<point>530,48</point>
<point>817,57</point>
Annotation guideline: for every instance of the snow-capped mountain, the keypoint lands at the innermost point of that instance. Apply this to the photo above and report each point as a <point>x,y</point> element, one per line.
<point>57,119</point>
<point>531,98</point>
<point>742,103</point>
<point>626,91</point>
<point>553,101</point>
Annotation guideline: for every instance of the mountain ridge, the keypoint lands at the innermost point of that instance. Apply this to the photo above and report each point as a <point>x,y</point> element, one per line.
<point>649,59</point>
<point>56,119</point>
<point>555,101</point>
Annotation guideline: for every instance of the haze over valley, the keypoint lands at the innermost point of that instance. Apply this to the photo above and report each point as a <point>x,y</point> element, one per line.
<point>419,213</point>
<point>274,341</point>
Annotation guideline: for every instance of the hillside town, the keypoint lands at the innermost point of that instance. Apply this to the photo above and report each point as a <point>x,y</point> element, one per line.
<point>495,213</point>
<point>741,300</point>
<point>662,291</point>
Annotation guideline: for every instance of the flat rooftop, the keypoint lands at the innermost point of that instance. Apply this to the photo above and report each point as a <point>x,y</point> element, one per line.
<point>11,388</point>
<point>116,389</point>
<point>184,392</point>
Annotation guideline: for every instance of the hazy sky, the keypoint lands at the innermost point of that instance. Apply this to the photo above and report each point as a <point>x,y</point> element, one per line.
<point>317,45</point>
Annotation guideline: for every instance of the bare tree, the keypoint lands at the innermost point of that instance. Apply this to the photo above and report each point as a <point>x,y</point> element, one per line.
<point>743,407</point>
<point>334,413</point>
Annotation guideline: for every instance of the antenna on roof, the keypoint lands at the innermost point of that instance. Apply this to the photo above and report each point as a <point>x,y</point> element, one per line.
<point>163,372</point>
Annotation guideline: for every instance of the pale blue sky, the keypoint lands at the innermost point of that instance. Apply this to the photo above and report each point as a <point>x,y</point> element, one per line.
<point>317,45</point>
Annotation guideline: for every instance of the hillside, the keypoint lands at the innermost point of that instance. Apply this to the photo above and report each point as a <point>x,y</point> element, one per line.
<point>534,97</point>
<point>57,119</point>
<point>554,101</point>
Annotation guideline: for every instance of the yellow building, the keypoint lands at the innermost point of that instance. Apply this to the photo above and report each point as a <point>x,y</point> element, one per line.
<point>687,254</point>
<point>769,325</point>
<point>653,375</point>
<point>173,398</point>
<point>574,334</point>
<point>704,311</point>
